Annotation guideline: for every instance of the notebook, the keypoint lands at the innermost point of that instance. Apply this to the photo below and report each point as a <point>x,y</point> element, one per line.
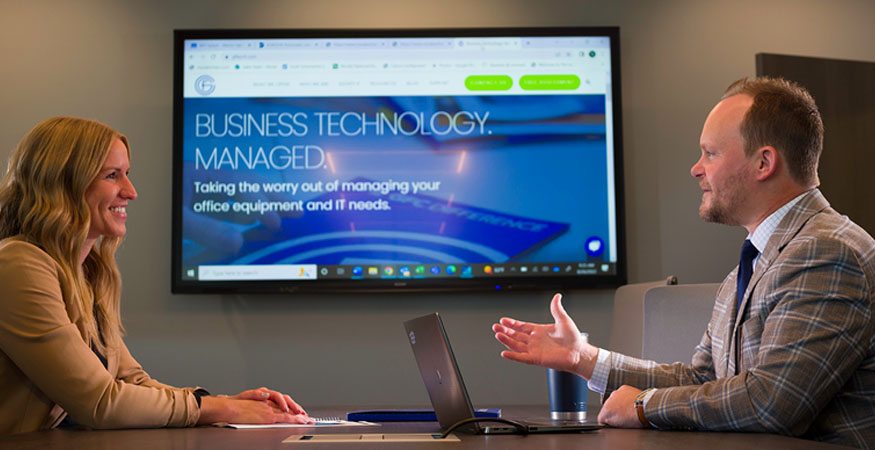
<point>446,388</point>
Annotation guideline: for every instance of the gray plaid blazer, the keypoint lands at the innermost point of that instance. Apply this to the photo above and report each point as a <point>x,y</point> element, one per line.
<point>800,361</point>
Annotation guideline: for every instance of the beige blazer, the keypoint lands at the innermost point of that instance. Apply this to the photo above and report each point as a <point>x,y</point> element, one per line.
<point>48,370</point>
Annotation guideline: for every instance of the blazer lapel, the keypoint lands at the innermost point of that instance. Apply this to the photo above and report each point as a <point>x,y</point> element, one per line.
<point>809,205</point>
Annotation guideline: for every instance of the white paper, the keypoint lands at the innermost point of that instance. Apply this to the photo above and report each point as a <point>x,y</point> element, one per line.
<point>329,423</point>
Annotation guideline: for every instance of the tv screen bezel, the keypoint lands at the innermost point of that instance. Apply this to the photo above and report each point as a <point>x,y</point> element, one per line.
<point>181,286</point>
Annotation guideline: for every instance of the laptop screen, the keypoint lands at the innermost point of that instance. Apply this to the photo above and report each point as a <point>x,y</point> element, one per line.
<point>439,370</point>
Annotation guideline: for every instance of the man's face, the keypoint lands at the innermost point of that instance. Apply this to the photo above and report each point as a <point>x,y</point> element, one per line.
<point>724,173</point>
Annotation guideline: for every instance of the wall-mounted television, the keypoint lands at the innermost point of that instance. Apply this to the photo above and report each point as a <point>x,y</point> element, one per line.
<point>344,160</point>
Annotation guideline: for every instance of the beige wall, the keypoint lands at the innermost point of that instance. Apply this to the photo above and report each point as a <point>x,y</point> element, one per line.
<point>112,61</point>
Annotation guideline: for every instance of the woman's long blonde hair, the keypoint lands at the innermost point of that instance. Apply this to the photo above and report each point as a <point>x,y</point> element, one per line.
<point>42,199</point>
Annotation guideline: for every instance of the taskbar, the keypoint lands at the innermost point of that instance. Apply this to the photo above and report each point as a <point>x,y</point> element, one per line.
<point>393,271</point>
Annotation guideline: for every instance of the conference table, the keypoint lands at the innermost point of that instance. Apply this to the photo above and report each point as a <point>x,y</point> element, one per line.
<point>215,438</point>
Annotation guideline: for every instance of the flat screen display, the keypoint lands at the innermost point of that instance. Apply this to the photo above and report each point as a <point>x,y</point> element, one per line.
<point>308,160</point>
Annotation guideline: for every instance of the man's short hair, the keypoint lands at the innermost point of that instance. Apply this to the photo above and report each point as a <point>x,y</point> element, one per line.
<point>783,115</point>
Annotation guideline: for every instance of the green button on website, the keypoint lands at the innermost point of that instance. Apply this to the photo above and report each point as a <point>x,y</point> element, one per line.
<point>488,82</point>
<point>549,82</point>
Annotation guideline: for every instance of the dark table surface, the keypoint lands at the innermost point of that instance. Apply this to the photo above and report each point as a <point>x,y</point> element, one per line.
<point>215,438</point>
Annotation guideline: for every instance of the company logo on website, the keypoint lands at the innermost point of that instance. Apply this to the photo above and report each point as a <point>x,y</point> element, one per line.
<point>205,85</point>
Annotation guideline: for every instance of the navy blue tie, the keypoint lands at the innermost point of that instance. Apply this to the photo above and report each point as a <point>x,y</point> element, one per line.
<point>745,269</point>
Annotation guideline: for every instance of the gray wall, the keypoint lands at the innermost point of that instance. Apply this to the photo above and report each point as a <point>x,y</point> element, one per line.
<point>111,60</point>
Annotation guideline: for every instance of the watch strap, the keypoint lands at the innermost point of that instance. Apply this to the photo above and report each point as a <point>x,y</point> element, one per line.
<point>639,407</point>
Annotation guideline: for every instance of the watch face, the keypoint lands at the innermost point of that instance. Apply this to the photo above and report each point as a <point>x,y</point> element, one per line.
<point>641,395</point>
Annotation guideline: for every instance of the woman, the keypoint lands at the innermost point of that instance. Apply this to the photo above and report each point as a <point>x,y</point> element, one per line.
<point>62,216</point>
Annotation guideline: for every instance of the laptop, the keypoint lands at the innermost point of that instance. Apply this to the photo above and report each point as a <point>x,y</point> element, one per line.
<point>446,389</point>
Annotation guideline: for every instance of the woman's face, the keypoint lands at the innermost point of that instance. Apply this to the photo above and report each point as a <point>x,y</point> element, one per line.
<point>109,193</point>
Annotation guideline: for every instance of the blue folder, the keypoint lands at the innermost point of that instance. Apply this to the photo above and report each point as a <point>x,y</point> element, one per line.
<point>408,415</point>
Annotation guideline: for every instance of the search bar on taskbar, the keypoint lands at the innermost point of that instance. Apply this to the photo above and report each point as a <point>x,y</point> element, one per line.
<point>258,272</point>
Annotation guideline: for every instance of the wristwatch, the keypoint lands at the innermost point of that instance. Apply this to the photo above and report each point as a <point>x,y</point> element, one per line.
<point>639,406</point>
<point>198,393</point>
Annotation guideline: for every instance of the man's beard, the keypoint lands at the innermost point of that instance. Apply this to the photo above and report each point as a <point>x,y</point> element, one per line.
<point>724,209</point>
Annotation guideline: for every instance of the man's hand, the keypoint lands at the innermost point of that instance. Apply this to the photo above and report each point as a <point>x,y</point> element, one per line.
<point>619,410</point>
<point>557,346</point>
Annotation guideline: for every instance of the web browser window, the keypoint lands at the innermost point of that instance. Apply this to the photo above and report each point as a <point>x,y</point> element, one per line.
<point>395,158</point>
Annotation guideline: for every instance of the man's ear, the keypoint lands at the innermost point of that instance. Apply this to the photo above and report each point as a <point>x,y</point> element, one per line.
<point>767,161</point>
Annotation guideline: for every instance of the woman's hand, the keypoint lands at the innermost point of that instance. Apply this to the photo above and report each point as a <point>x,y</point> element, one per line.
<point>280,400</point>
<point>255,406</point>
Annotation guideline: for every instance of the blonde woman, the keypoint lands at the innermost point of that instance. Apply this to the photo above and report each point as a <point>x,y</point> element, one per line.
<point>62,359</point>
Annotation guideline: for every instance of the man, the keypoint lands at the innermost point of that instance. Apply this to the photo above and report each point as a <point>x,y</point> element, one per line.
<point>792,350</point>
